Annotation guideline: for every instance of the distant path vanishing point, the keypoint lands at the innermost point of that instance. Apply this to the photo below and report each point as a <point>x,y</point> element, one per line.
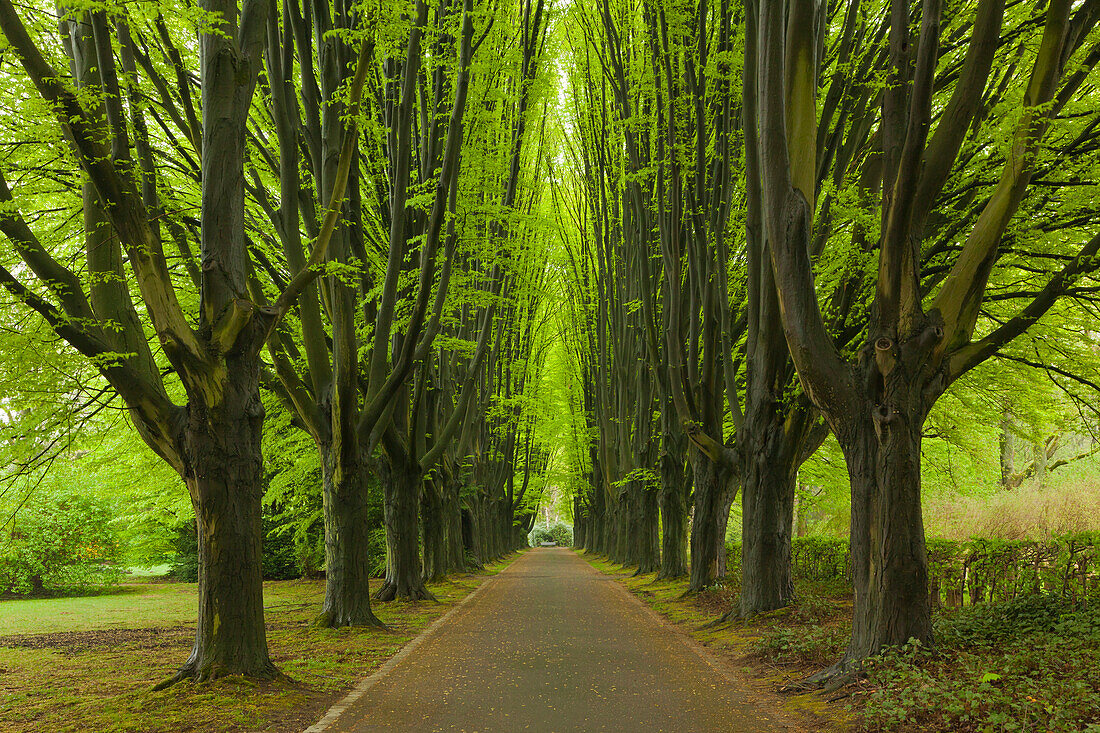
<point>552,645</point>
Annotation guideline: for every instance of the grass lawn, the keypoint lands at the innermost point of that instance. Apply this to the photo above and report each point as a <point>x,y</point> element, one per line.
<point>87,664</point>
<point>1032,664</point>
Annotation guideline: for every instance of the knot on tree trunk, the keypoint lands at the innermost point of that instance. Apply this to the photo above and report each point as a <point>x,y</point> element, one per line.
<point>882,416</point>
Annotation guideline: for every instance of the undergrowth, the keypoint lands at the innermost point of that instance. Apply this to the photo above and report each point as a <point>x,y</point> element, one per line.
<point>1032,664</point>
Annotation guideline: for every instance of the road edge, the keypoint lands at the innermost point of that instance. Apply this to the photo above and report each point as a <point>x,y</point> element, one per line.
<point>333,713</point>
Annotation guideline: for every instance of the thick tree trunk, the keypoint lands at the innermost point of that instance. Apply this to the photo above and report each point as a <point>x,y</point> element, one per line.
<point>713,496</point>
<point>674,508</point>
<point>453,540</point>
<point>607,533</point>
<point>401,485</point>
<point>580,522</point>
<point>593,530</point>
<point>480,527</point>
<point>471,552</point>
<point>347,543</point>
<point>433,531</point>
<point>645,529</point>
<point>621,537</point>
<point>767,485</point>
<point>889,558</point>
<point>225,478</point>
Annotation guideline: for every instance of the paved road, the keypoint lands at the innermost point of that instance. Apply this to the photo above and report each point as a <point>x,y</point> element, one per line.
<point>551,645</point>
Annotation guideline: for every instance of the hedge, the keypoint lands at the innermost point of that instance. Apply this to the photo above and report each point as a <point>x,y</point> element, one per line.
<point>970,572</point>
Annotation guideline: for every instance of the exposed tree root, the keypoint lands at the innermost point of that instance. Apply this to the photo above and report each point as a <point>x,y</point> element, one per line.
<point>841,674</point>
<point>670,576</point>
<point>192,670</point>
<point>729,616</point>
<point>392,591</point>
<point>329,620</point>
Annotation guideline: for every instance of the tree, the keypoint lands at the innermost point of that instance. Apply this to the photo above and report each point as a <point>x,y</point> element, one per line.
<point>213,440</point>
<point>921,334</point>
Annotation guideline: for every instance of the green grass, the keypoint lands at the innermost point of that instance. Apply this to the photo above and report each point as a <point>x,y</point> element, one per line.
<point>130,606</point>
<point>88,664</point>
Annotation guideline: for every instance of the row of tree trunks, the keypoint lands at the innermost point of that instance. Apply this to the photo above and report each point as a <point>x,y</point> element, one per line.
<point>675,494</point>
<point>712,497</point>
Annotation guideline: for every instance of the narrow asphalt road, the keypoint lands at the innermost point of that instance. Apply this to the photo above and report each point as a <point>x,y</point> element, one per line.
<point>553,645</point>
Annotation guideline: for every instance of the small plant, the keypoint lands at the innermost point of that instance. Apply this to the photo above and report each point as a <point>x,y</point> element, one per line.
<point>1023,665</point>
<point>801,645</point>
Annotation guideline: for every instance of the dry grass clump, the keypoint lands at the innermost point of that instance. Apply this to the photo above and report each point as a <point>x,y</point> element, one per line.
<point>1030,512</point>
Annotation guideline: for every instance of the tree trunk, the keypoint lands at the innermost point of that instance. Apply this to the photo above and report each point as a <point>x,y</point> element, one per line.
<point>401,485</point>
<point>645,532</point>
<point>432,528</point>
<point>469,538</point>
<point>620,553</point>
<point>767,485</point>
<point>713,496</point>
<point>889,558</point>
<point>347,543</point>
<point>453,539</point>
<point>225,478</point>
<point>674,508</point>
<point>580,522</point>
<point>592,530</point>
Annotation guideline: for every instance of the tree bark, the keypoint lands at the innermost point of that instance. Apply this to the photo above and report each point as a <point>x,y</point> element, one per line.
<point>713,496</point>
<point>889,560</point>
<point>645,529</point>
<point>347,543</point>
<point>433,530</point>
<point>674,507</point>
<point>225,477</point>
<point>401,485</point>
<point>452,513</point>
<point>580,522</point>
<point>767,485</point>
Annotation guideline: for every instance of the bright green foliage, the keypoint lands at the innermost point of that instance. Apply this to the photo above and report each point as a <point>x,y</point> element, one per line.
<point>559,533</point>
<point>61,543</point>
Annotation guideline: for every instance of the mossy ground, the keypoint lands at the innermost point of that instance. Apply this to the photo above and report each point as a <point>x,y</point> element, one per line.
<point>88,664</point>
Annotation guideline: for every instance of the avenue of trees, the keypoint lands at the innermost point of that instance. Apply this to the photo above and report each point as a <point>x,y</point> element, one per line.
<point>790,219</point>
<point>311,199</point>
<point>651,255</point>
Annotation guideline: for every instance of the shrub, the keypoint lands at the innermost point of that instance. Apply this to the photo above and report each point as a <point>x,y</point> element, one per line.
<point>60,544</point>
<point>185,549</point>
<point>558,532</point>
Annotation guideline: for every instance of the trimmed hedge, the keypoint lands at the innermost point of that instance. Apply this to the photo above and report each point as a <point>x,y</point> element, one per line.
<point>971,572</point>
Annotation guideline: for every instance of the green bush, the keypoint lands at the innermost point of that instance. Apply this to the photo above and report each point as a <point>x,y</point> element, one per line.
<point>60,544</point>
<point>185,552</point>
<point>558,532</point>
<point>967,573</point>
